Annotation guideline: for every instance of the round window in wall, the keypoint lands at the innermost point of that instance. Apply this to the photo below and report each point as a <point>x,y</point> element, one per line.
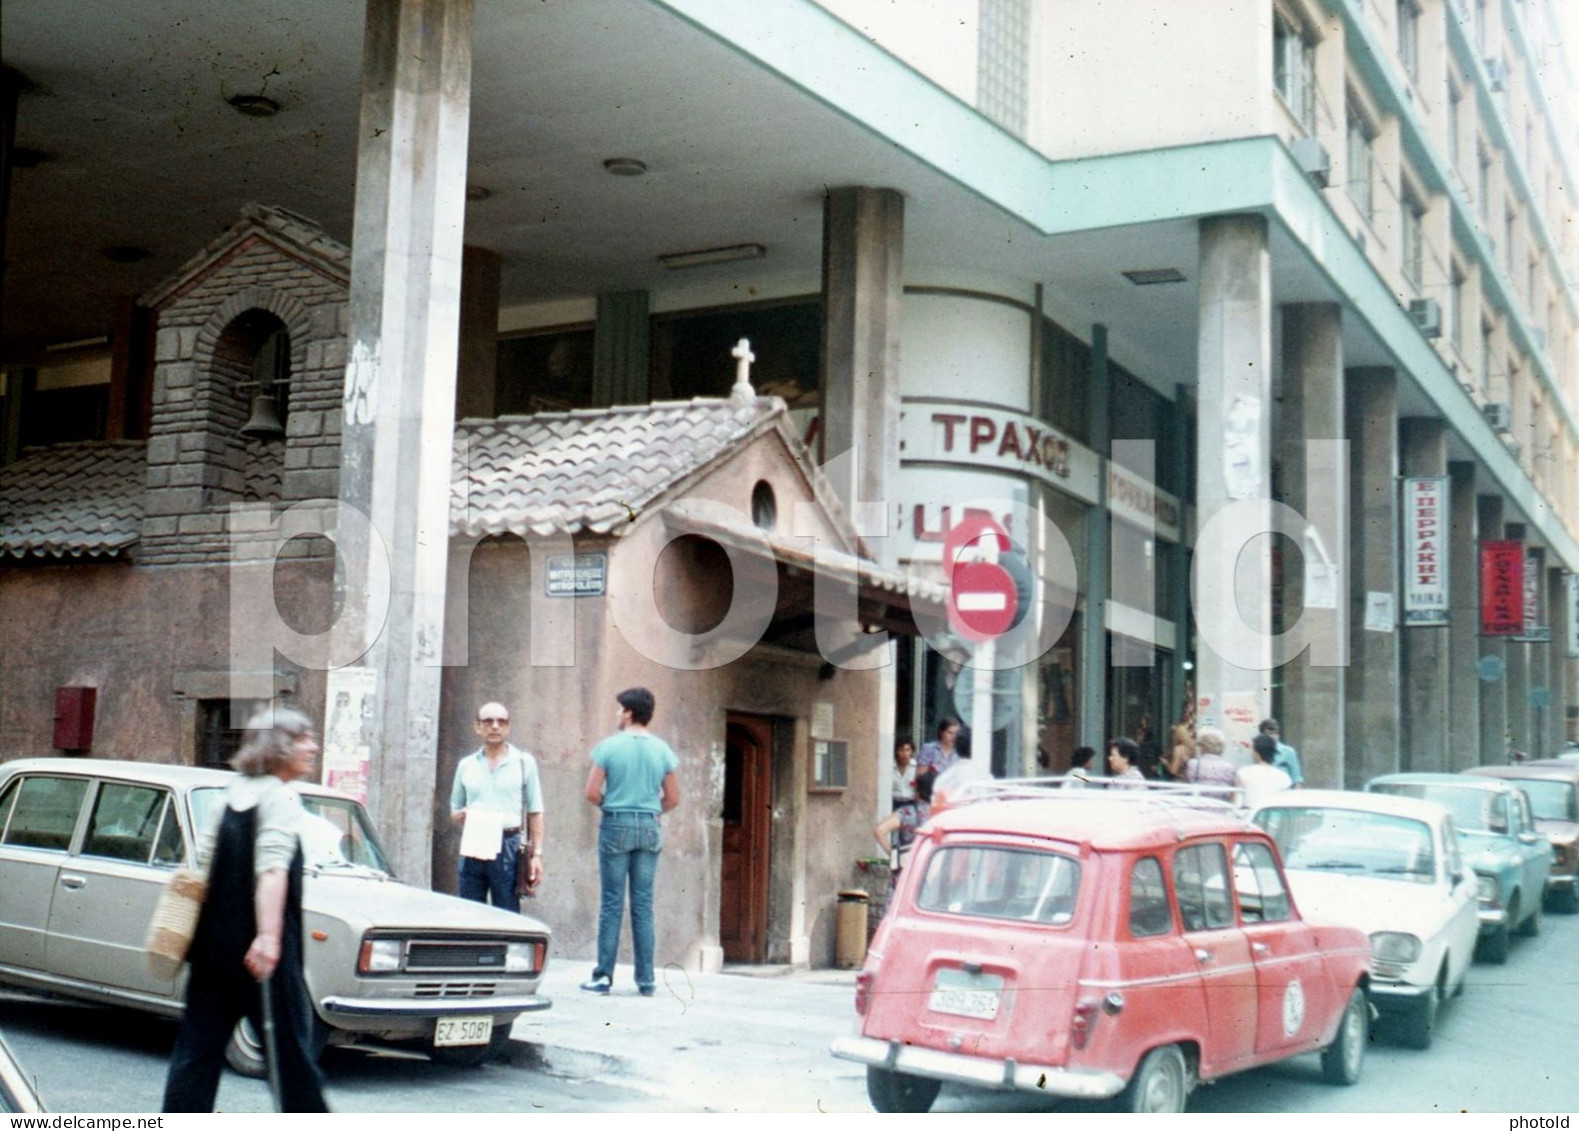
<point>764,507</point>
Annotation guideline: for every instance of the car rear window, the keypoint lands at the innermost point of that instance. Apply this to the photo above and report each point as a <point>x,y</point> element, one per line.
<point>1321,839</point>
<point>1551,800</point>
<point>1001,883</point>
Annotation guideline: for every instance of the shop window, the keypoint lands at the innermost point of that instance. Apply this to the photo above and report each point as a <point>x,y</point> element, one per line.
<point>691,352</point>
<point>1294,68</point>
<point>548,371</point>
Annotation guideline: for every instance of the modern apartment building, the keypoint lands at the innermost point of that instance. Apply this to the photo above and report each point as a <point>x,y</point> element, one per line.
<point>1138,281</point>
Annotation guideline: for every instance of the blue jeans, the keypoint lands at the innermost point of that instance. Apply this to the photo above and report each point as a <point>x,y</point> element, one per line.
<point>480,879</point>
<point>628,848</point>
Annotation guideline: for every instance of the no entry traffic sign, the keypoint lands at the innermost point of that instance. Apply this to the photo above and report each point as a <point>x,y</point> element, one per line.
<point>982,601</point>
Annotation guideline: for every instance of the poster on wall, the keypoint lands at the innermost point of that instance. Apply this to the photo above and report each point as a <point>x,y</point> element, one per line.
<point>1571,588</point>
<point>1534,570</point>
<point>348,729</point>
<point>1501,588</point>
<point>1425,554</point>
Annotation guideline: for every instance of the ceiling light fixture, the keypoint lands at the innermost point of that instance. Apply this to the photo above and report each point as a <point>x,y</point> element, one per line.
<point>254,105</point>
<point>625,166</point>
<point>1151,276</point>
<point>678,260</point>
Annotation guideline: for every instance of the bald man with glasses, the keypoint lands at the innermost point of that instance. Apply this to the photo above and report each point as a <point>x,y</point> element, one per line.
<point>498,783</point>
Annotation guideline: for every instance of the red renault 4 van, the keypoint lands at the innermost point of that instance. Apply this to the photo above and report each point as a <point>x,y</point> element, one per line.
<point>1099,943</point>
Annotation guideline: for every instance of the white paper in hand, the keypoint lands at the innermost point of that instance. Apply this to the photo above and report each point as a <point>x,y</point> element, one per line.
<point>482,833</point>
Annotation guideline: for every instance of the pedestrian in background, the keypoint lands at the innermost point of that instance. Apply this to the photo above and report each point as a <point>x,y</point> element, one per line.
<point>1261,779</point>
<point>248,941</point>
<point>1123,758</point>
<point>498,784</point>
<point>1210,767</point>
<point>941,753</point>
<point>897,831</point>
<point>1287,758</point>
<point>1181,748</point>
<point>903,787</point>
<point>633,782</point>
<point>1079,776</point>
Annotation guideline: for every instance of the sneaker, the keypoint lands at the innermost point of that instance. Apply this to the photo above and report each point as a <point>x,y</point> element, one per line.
<point>598,984</point>
<point>648,991</point>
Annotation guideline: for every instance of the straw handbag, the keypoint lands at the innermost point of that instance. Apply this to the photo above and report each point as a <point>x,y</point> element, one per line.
<point>174,922</point>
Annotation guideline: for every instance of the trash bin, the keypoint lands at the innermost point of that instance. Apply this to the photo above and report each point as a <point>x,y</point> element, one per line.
<point>851,946</point>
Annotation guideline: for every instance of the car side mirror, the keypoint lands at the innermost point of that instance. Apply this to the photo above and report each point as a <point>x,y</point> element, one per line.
<point>1529,838</point>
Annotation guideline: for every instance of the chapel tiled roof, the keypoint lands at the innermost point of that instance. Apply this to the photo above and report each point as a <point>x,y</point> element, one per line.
<point>591,470</point>
<point>291,232</point>
<point>73,500</point>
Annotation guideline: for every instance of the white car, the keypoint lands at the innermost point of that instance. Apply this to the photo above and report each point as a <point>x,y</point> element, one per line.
<point>1391,867</point>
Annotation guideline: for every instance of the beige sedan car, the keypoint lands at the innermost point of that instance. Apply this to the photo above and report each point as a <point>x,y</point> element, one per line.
<point>86,846</point>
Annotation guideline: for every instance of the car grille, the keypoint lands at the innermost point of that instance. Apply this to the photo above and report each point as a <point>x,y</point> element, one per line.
<point>455,956</point>
<point>455,989</point>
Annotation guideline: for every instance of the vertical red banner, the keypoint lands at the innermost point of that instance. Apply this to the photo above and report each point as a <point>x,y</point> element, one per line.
<point>1501,588</point>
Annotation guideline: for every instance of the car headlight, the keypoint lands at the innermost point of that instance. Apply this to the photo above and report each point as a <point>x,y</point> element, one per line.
<point>1486,889</point>
<point>523,957</point>
<point>379,956</point>
<point>1394,946</point>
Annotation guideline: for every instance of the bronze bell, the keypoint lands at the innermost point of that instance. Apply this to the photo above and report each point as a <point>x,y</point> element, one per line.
<point>264,423</point>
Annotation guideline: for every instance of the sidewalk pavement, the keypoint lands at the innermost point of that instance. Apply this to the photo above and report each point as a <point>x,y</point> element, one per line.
<point>756,1040</point>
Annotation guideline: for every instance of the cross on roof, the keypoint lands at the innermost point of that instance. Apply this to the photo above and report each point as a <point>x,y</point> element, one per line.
<point>743,359</point>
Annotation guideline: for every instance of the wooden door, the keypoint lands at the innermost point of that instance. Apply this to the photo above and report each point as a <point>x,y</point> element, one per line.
<point>748,801</point>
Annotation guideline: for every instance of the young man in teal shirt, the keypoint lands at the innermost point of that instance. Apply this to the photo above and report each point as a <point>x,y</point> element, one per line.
<point>633,781</point>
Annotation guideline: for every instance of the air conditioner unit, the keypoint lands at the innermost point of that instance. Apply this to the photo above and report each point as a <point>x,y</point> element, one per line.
<point>1497,74</point>
<point>1426,313</point>
<point>1311,156</point>
<point>1499,415</point>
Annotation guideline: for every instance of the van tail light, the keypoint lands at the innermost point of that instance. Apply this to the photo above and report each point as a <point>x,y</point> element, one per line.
<point>1084,1022</point>
<point>863,990</point>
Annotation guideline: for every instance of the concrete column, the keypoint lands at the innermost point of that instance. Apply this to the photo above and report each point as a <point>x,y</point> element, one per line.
<point>1096,574</point>
<point>621,349</point>
<point>400,390</point>
<point>1424,648</point>
<point>863,241</point>
<point>1373,724</point>
<point>1234,466</point>
<point>1494,651</point>
<point>1556,663</point>
<point>1311,710</point>
<point>1518,674</point>
<point>1463,593</point>
<point>1181,687</point>
<point>477,366</point>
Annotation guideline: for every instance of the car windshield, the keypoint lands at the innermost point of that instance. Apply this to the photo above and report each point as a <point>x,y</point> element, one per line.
<point>1001,883</point>
<point>1473,809</point>
<point>1353,842</point>
<point>337,832</point>
<point>1552,800</point>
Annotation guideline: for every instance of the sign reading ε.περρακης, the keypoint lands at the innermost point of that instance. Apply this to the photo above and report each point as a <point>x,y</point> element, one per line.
<point>577,575</point>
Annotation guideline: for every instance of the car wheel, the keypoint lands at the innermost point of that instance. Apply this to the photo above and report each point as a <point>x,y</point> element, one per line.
<point>470,1056</point>
<point>1419,1026</point>
<point>1567,902</point>
<point>1342,1060</point>
<point>1160,1084</point>
<point>892,1092</point>
<point>244,1053</point>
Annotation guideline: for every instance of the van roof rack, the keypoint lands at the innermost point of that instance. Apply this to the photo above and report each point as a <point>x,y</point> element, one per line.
<point>1157,794</point>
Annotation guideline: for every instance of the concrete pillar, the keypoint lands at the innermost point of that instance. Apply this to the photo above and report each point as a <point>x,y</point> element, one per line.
<point>1311,710</point>
<point>1424,648</point>
<point>1463,592</point>
<point>400,390</point>
<point>1518,672</point>
<point>1373,724</point>
<point>1234,466</point>
<point>477,365</point>
<point>1096,574</point>
<point>863,241</point>
<point>1556,663</point>
<point>1494,651</point>
<point>1181,687</point>
<point>621,350</point>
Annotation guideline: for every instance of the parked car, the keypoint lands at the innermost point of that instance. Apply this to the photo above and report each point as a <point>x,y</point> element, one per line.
<point>1553,790</point>
<point>17,1096</point>
<point>1099,943</point>
<point>1390,866</point>
<point>1497,835</point>
<point>87,845</point>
